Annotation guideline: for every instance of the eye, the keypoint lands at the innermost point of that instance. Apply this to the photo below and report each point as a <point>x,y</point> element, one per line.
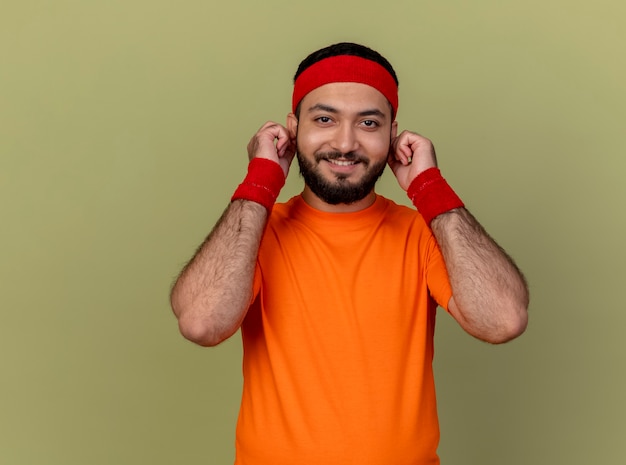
<point>323,119</point>
<point>370,123</point>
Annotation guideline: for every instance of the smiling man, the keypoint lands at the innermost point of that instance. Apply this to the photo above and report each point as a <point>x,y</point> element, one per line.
<point>336,290</point>
<point>340,166</point>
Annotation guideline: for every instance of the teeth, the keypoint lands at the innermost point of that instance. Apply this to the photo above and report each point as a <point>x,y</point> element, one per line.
<point>342,162</point>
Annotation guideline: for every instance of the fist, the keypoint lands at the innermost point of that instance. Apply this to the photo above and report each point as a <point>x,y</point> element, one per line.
<point>275,143</point>
<point>409,155</point>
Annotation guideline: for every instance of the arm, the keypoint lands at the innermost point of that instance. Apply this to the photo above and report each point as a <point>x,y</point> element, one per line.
<point>211,296</point>
<point>490,295</point>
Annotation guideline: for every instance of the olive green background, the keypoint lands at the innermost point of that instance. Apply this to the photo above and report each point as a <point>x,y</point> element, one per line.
<point>123,127</point>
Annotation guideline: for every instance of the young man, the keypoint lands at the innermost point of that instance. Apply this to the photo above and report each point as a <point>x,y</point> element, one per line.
<point>336,290</point>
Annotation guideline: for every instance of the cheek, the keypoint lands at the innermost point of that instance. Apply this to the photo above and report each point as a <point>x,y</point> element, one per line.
<point>309,141</point>
<point>379,146</point>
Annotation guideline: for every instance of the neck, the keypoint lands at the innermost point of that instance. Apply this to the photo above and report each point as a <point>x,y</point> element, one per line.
<point>314,201</point>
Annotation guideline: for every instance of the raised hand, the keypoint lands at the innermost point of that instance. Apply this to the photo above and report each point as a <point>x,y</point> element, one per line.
<point>273,141</point>
<point>409,155</point>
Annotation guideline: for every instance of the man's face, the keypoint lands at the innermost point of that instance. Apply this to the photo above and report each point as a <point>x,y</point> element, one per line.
<point>343,133</point>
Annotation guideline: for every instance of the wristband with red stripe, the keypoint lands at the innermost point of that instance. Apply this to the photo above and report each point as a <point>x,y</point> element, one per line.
<point>262,184</point>
<point>432,195</point>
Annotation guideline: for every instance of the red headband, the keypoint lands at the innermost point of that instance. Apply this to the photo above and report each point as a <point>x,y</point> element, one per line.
<point>346,68</point>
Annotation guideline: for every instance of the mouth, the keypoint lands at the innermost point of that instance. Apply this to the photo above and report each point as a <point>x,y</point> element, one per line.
<point>338,162</point>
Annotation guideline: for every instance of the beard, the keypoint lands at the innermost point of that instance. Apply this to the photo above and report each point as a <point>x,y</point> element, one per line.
<point>339,190</point>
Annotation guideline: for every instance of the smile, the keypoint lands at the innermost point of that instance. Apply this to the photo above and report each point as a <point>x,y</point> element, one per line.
<point>342,162</point>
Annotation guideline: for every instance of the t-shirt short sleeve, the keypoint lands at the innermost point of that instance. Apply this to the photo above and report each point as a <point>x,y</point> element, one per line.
<point>437,276</point>
<point>256,283</point>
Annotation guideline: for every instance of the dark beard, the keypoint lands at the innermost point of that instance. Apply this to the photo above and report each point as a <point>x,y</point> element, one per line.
<point>341,190</point>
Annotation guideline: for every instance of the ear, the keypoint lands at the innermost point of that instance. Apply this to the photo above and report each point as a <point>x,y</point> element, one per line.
<point>292,125</point>
<point>394,130</point>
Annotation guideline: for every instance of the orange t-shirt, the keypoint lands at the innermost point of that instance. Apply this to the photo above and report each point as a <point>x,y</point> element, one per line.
<point>338,343</point>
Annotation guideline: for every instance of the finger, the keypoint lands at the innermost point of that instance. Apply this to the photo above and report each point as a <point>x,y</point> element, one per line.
<point>289,150</point>
<point>284,142</point>
<point>403,151</point>
<point>394,164</point>
<point>268,141</point>
<point>267,125</point>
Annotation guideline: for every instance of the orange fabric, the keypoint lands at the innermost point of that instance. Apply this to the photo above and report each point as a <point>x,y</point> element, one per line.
<point>338,343</point>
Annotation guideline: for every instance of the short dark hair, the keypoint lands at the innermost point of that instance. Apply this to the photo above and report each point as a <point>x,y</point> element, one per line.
<point>345,48</point>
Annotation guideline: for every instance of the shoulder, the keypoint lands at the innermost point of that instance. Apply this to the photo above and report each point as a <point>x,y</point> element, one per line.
<point>405,223</point>
<point>401,213</point>
<point>285,210</point>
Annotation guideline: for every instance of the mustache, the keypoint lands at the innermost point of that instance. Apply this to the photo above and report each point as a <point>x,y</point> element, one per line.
<point>348,156</point>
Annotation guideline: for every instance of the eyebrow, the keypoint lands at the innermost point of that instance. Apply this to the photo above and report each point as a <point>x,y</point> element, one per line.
<point>330,109</point>
<point>323,107</point>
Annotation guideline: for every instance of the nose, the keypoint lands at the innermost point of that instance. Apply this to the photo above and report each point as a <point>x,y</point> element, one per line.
<point>345,139</point>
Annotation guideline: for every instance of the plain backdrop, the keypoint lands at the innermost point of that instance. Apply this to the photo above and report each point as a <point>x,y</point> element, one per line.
<point>123,127</point>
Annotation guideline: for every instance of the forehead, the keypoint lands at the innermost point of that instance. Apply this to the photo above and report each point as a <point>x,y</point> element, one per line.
<point>346,97</point>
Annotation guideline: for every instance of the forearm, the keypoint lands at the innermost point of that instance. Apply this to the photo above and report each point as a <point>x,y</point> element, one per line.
<point>490,295</point>
<point>211,296</point>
